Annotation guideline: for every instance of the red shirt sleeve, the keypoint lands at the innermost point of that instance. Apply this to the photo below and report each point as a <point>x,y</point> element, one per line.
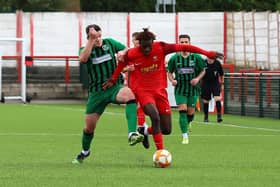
<point>118,70</point>
<point>170,48</point>
<point>194,49</point>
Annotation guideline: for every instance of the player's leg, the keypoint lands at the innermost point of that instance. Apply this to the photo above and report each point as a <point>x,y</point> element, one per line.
<point>165,123</point>
<point>87,137</point>
<point>140,116</point>
<point>164,110</point>
<point>142,126</point>
<point>151,110</point>
<point>93,111</point>
<point>218,98</point>
<point>206,96</point>
<point>191,103</point>
<point>125,95</point>
<point>183,118</point>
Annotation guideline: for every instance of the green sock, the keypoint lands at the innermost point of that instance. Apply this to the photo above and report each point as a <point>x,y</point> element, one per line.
<point>86,140</point>
<point>190,118</point>
<point>184,125</point>
<point>131,115</point>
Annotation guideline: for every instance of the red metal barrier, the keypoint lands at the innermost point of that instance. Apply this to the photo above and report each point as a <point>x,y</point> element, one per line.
<point>30,59</point>
<point>230,68</point>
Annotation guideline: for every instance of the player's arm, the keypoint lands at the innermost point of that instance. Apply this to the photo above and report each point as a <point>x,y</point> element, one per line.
<point>171,78</point>
<point>199,68</point>
<point>221,79</point>
<point>86,51</point>
<point>195,80</point>
<point>170,72</point>
<point>121,65</point>
<point>111,81</point>
<point>128,68</point>
<point>170,48</point>
<point>221,73</point>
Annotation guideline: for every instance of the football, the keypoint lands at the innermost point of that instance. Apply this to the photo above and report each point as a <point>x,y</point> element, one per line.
<point>162,158</point>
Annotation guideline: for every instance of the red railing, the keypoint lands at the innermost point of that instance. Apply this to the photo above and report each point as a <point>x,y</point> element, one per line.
<point>30,59</point>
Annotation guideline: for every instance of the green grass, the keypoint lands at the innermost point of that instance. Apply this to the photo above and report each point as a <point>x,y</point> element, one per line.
<point>38,143</point>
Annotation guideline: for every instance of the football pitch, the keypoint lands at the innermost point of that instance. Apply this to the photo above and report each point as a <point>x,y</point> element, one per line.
<point>39,141</point>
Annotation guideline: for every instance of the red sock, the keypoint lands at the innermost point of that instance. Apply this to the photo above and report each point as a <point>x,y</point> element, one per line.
<point>140,117</point>
<point>149,130</point>
<point>158,140</point>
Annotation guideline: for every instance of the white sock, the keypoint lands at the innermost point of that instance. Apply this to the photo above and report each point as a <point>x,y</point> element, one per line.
<point>145,128</point>
<point>85,152</point>
<point>130,133</point>
<point>185,135</point>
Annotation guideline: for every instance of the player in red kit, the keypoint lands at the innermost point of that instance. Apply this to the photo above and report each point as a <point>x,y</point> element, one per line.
<point>148,80</point>
<point>140,113</point>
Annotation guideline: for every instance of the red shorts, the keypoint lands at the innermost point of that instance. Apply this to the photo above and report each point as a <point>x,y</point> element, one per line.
<point>159,98</point>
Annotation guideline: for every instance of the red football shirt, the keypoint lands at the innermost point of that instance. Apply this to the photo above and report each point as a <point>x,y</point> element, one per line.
<point>150,71</point>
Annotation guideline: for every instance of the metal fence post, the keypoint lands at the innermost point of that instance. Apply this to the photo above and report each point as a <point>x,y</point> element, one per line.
<point>261,95</point>
<point>278,98</point>
<point>226,95</point>
<point>242,96</point>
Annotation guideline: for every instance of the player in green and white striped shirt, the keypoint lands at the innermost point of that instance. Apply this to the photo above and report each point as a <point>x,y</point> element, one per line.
<point>99,56</point>
<point>188,69</point>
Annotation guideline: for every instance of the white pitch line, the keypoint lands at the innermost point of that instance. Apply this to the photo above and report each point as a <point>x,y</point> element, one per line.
<point>232,135</point>
<point>118,135</point>
<point>37,134</point>
<point>73,109</point>
<point>238,126</point>
<point>202,123</point>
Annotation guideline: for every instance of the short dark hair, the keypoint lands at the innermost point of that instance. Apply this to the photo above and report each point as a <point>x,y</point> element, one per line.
<point>96,27</point>
<point>184,36</point>
<point>146,35</point>
<point>135,34</point>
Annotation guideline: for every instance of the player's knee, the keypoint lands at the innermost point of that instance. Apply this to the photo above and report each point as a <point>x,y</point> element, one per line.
<point>155,119</point>
<point>89,128</point>
<point>217,98</point>
<point>91,121</point>
<point>128,95</point>
<point>182,107</point>
<point>166,128</point>
<point>166,131</point>
<point>190,111</point>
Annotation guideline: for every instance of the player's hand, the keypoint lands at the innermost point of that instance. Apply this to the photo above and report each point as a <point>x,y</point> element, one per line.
<point>108,84</point>
<point>93,34</point>
<point>215,54</point>
<point>210,60</point>
<point>130,67</point>
<point>121,55</point>
<point>222,86</point>
<point>194,81</point>
<point>174,82</point>
<point>219,55</point>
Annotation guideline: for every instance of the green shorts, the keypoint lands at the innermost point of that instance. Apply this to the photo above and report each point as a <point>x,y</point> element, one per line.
<point>97,101</point>
<point>182,99</point>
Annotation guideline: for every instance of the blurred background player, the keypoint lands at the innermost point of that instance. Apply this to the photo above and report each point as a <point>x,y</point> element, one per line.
<point>148,80</point>
<point>99,56</point>
<point>211,86</point>
<point>188,69</point>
